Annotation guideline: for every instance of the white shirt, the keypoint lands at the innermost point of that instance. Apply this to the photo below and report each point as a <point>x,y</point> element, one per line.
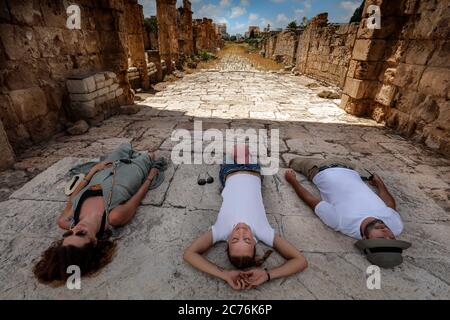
<point>347,201</point>
<point>242,202</point>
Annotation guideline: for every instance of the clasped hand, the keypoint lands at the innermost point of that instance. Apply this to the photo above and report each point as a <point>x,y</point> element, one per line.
<point>250,279</point>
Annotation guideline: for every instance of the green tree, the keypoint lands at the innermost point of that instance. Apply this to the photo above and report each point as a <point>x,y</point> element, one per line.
<point>357,15</point>
<point>151,24</point>
<point>292,25</point>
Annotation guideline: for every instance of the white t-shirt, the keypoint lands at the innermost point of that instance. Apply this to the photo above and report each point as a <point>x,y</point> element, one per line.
<point>243,203</point>
<point>347,201</point>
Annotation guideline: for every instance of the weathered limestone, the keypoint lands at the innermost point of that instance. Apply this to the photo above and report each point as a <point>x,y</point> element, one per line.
<point>206,37</point>
<point>135,41</point>
<point>398,74</point>
<point>167,32</point>
<point>186,36</point>
<point>94,97</point>
<point>40,52</point>
<point>286,46</point>
<point>6,152</point>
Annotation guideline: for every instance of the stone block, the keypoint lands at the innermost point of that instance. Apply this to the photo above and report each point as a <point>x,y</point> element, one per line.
<point>419,51</point>
<point>368,50</point>
<point>102,92</point>
<point>440,55</point>
<point>119,92</point>
<point>78,86</point>
<point>408,76</point>
<point>359,89</point>
<point>100,85</point>
<point>6,152</point>
<point>435,81</point>
<point>113,87</point>
<point>110,75</point>
<point>83,97</point>
<point>386,95</point>
<point>110,96</point>
<point>85,109</point>
<point>99,77</point>
<point>100,100</point>
<point>29,103</point>
<point>109,82</point>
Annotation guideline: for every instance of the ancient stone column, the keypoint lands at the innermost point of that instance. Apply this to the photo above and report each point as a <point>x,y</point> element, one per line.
<point>136,48</point>
<point>167,32</point>
<point>6,152</point>
<point>186,28</point>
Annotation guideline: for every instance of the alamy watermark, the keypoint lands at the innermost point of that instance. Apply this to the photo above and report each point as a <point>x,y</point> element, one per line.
<point>374,20</point>
<point>74,17</point>
<point>373,281</point>
<point>211,146</point>
<point>73,282</point>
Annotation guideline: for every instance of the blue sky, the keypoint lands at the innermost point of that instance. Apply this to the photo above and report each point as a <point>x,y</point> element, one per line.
<point>239,14</point>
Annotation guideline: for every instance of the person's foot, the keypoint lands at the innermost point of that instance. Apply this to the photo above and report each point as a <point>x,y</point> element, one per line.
<point>290,176</point>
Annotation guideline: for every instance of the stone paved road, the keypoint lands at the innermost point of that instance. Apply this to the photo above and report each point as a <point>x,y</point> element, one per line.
<point>149,264</point>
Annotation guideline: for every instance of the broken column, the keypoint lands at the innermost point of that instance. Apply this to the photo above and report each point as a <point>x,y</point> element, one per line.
<point>167,32</point>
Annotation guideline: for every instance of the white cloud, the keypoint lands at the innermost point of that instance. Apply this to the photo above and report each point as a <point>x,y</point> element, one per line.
<point>237,12</point>
<point>299,14</point>
<point>245,2</point>
<point>210,11</point>
<point>238,28</point>
<point>225,3</point>
<point>282,20</point>
<point>349,7</point>
<point>253,17</point>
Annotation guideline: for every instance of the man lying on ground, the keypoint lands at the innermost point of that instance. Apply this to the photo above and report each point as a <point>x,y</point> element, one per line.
<point>348,205</point>
<point>242,222</point>
<point>108,196</point>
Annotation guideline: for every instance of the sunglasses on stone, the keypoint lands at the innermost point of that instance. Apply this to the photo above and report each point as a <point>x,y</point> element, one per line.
<point>80,233</point>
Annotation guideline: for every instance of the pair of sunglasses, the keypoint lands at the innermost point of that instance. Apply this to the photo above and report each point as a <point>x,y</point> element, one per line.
<point>202,181</point>
<point>80,233</point>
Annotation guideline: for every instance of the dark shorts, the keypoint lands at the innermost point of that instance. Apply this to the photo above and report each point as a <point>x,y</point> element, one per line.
<point>226,169</point>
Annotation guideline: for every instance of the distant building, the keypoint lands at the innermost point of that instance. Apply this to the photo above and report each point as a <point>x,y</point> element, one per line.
<point>253,29</point>
<point>222,30</point>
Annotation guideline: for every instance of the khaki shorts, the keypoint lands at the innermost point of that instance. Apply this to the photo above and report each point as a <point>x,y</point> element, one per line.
<point>310,166</point>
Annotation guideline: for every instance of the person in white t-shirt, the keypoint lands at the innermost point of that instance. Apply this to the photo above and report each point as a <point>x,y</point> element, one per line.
<point>349,205</point>
<point>242,222</point>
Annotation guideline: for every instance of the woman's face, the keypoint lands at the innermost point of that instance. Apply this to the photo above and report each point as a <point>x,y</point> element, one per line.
<point>80,236</point>
<point>241,241</point>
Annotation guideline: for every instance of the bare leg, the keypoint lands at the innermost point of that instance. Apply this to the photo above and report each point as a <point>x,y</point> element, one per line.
<point>304,194</point>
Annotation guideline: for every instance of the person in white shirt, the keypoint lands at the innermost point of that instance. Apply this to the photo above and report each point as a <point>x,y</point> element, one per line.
<point>349,206</point>
<point>242,222</point>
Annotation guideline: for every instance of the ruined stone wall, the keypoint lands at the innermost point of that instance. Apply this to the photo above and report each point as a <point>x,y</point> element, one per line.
<point>401,72</point>
<point>38,52</point>
<point>205,36</point>
<point>324,50</point>
<point>286,47</point>
<point>270,44</point>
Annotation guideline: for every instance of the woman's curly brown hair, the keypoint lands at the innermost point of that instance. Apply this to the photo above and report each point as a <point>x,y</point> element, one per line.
<point>245,262</point>
<point>90,258</point>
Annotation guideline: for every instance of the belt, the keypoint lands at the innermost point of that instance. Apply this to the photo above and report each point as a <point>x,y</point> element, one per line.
<point>334,166</point>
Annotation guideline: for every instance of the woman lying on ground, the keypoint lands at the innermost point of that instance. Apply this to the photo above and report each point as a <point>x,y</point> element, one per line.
<point>108,196</point>
<point>241,222</point>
